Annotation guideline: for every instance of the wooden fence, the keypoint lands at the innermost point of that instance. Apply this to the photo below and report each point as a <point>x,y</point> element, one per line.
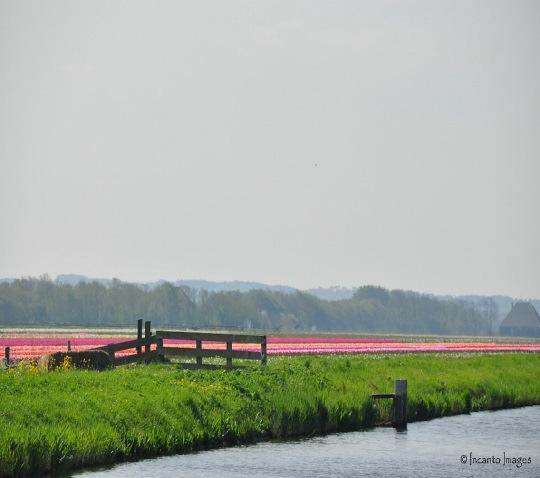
<point>199,352</point>
<point>144,352</point>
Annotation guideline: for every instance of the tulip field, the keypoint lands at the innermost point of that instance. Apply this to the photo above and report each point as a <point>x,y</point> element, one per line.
<point>29,345</point>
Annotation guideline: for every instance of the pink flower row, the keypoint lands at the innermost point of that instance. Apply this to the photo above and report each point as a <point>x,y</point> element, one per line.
<point>27,348</point>
<point>96,341</point>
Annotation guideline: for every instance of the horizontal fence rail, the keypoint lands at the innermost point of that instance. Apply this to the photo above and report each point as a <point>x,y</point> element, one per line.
<point>130,344</point>
<point>212,337</point>
<point>190,352</point>
<point>144,356</point>
<point>147,356</point>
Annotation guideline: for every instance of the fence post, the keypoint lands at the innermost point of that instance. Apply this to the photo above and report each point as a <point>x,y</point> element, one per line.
<point>199,347</point>
<point>69,346</point>
<point>229,353</point>
<point>139,334</point>
<point>159,348</point>
<point>6,352</point>
<point>263,352</point>
<point>400,404</point>
<point>147,335</point>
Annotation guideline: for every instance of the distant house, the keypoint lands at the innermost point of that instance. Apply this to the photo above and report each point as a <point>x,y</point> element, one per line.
<point>522,321</point>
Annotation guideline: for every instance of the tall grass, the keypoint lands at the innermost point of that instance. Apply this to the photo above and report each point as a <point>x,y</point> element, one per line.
<point>70,419</point>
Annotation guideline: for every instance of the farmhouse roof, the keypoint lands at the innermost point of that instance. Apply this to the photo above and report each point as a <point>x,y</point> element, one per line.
<point>523,314</point>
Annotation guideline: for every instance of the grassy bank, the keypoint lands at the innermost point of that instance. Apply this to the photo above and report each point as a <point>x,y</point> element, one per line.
<point>69,419</point>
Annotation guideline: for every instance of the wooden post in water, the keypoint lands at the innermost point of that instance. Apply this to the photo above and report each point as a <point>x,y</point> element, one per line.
<point>69,346</point>
<point>6,353</point>
<point>400,404</point>
<point>139,334</point>
<point>263,352</point>
<point>199,347</point>
<point>229,353</point>
<point>147,335</point>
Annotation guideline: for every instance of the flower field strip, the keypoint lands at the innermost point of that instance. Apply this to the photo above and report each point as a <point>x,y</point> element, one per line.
<point>324,340</point>
<point>97,341</point>
<point>59,341</point>
<point>403,348</point>
<point>26,348</point>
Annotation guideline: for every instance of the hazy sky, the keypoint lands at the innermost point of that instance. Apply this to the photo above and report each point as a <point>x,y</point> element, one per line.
<point>299,142</point>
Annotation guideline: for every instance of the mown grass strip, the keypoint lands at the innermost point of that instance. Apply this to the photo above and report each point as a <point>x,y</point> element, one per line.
<point>71,419</point>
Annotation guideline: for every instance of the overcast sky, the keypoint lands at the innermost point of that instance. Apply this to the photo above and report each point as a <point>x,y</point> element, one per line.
<point>298,142</point>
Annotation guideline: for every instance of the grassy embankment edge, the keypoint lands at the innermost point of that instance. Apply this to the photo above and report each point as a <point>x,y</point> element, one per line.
<point>59,421</point>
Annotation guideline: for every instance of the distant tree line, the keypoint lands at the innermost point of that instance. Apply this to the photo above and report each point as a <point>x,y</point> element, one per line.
<point>40,301</point>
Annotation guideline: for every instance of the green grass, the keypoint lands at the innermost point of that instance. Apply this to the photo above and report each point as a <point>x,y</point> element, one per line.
<point>70,419</point>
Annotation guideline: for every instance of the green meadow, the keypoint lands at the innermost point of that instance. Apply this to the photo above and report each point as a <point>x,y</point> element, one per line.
<point>58,421</point>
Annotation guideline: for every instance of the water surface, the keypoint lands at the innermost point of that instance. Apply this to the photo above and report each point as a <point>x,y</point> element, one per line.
<point>427,449</point>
